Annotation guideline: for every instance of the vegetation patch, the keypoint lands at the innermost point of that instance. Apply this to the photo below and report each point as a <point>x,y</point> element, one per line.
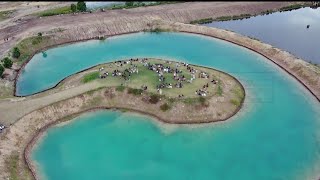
<point>120,88</point>
<point>165,107</point>
<point>154,98</point>
<point>292,7</point>
<point>235,102</point>
<point>90,77</point>
<point>5,14</point>
<point>25,49</point>
<point>134,91</point>
<point>202,21</point>
<point>12,164</point>
<point>219,89</point>
<point>55,11</point>
<point>227,18</point>
<point>157,30</point>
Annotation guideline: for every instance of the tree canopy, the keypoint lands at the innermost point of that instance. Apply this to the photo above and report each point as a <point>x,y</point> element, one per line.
<point>7,63</point>
<point>16,52</point>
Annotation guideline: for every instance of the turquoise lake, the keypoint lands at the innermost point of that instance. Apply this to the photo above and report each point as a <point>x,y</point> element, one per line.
<point>275,135</point>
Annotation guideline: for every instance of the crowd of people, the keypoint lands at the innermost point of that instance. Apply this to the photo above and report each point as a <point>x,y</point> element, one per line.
<point>161,70</point>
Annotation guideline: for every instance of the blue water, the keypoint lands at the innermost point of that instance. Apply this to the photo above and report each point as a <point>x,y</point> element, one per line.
<point>285,30</point>
<point>274,137</point>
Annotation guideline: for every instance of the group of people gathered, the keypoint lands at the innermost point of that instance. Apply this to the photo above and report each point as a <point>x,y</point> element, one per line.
<point>161,70</point>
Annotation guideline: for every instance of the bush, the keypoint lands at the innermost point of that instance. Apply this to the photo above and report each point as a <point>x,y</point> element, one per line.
<point>16,52</point>
<point>40,34</point>
<point>81,6</point>
<point>154,98</point>
<point>135,91</point>
<point>202,100</point>
<point>73,8</point>
<point>120,88</point>
<point>165,107</point>
<point>7,63</point>
<point>1,70</point>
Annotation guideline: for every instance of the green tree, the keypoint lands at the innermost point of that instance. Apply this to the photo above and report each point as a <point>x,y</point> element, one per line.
<point>1,70</point>
<point>81,6</point>
<point>73,8</point>
<point>40,34</point>
<point>129,3</point>
<point>7,63</point>
<point>16,52</point>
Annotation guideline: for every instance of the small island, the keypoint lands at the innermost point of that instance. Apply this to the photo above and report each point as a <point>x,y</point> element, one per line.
<point>174,92</point>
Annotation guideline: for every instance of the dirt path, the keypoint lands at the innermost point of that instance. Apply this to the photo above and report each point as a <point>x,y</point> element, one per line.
<point>124,20</point>
<point>14,108</point>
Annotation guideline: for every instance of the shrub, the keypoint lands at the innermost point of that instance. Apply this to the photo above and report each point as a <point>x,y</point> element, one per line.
<point>154,98</point>
<point>81,6</point>
<point>73,8</point>
<point>202,100</point>
<point>135,91</point>
<point>1,70</point>
<point>7,63</point>
<point>165,107</point>
<point>120,88</point>
<point>40,34</point>
<point>16,52</point>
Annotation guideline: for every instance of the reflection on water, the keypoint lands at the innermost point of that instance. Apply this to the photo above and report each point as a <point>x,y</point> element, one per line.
<point>286,30</point>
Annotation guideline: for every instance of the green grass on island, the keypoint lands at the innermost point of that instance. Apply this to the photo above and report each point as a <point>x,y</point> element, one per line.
<point>145,80</point>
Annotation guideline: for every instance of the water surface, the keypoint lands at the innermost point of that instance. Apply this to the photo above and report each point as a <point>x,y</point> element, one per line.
<point>276,137</point>
<point>285,30</point>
